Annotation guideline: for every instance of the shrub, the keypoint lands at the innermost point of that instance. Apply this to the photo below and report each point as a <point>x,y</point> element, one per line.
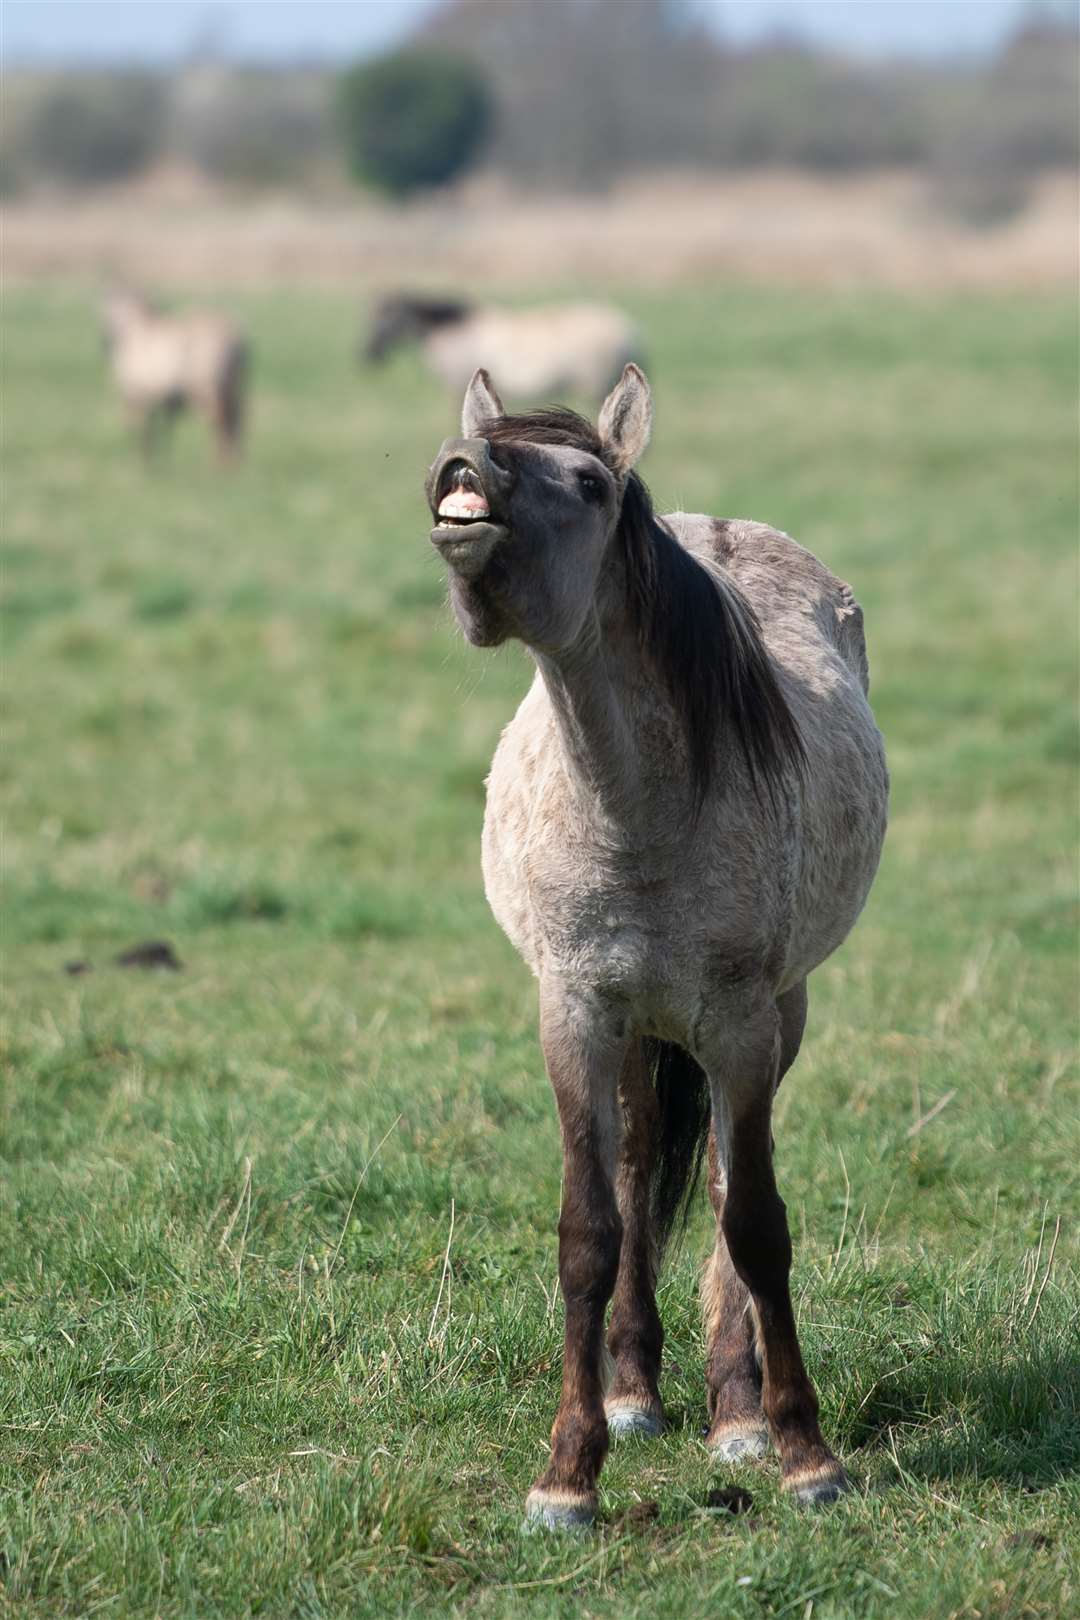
<point>85,130</point>
<point>251,126</point>
<point>412,120</point>
<point>1012,121</point>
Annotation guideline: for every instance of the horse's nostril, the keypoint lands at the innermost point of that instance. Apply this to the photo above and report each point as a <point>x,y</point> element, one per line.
<point>459,475</point>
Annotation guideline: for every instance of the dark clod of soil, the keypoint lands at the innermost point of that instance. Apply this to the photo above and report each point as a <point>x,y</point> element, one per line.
<point>643,1512</point>
<point>152,953</point>
<point>637,1516</point>
<point>1035,1539</point>
<point>731,1498</point>
<point>77,967</point>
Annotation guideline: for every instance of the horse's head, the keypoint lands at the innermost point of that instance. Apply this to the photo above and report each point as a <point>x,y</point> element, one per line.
<point>525,508</point>
<point>401,318</point>
<point>121,311</point>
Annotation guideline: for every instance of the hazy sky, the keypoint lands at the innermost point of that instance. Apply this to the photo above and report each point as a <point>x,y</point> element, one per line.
<point>285,30</point>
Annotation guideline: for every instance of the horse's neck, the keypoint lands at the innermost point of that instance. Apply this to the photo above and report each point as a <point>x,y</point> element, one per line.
<point>607,715</point>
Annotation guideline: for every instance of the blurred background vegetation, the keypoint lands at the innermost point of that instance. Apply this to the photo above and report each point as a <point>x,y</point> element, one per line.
<point>566,95</point>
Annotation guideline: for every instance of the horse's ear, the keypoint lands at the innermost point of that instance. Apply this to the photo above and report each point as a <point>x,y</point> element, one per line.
<point>626,419</point>
<point>482,403</point>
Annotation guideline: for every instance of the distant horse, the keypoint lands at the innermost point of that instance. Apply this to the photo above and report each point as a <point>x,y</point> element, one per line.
<point>162,363</point>
<point>538,353</point>
<point>683,819</point>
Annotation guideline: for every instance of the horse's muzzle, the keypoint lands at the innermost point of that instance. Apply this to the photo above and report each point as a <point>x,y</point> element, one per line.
<point>466,544</point>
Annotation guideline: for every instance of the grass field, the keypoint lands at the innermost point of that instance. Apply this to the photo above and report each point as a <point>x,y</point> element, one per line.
<point>279,1332</point>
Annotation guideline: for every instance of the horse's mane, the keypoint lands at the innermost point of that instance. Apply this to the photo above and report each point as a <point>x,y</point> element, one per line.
<point>696,628</point>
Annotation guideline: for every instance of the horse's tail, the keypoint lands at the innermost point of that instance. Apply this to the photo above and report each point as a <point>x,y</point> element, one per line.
<point>682,1091</point>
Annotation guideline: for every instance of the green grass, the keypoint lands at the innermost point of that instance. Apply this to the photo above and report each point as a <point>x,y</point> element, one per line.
<point>278,1324</point>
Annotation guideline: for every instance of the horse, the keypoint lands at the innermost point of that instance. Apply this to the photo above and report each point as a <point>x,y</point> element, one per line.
<point>683,819</point>
<point>162,363</point>
<point>572,348</point>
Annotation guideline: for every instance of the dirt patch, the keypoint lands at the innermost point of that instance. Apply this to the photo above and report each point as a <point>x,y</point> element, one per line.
<point>1028,1541</point>
<point>641,1513</point>
<point>151,953</point>
<point>729,1499</point>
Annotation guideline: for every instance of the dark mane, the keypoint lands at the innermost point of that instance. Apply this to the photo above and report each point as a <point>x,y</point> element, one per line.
<point>430,311</point>
<point>403,318</point>
<point>701,635</point>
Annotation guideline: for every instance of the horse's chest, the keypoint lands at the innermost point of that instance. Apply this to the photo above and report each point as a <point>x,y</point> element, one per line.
<point>598,934</point>
<point>585,918</point>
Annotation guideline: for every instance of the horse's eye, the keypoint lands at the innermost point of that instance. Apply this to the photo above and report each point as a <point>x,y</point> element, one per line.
<point>592,488</point>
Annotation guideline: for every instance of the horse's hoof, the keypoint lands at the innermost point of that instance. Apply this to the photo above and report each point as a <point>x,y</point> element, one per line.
<point>740,1443</point>
<point>558,1510</point>
<point>818,1489</point>
<point>624,1420</point>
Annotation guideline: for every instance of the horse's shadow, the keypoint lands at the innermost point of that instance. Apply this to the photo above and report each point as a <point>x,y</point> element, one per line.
<point>1016,1422</point>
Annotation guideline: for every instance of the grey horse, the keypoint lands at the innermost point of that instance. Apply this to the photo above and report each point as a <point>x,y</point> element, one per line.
<point>683,819</point>
<point>538,353</point>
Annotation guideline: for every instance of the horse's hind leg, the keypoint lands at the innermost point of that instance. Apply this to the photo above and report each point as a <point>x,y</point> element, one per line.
<point>584,1047</point>
<point>754,1224</point>
<point>227,407</point>
<point>737,1427</point>
<point>225,421</point>
<point>143,421</point>
<point>635,1335</point>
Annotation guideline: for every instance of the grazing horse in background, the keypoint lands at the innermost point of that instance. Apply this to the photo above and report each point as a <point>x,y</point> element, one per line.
<point>683,819</point>
<point>537,353</point>
<point>162,363</point>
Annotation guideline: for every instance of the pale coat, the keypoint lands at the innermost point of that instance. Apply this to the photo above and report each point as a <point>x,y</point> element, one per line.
<point>537,353</point>
<point>680,927</point>
<point>163,362</point>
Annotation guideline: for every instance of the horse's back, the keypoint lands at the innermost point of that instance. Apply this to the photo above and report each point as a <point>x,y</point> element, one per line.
<point>186,356</point>
<point>213,348</point>
<point>797,599</point>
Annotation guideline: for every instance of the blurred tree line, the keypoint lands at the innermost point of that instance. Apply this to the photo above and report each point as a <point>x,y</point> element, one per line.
<point>566,94</point>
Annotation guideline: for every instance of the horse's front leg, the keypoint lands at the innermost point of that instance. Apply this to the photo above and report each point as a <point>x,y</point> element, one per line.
<point>584,1046</point>
<point>754,1225</point>
<point>636,1336</point>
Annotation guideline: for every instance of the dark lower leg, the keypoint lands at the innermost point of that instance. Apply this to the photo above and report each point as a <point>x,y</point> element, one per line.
<point>635,1335</point>
<point>733,1366</point>
<point>144,420</point>
<point>732,1369</point>
<point>755,1226</point>
<point>588,1260</point>
<point>584,1071</point>
<point>226,432</point>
